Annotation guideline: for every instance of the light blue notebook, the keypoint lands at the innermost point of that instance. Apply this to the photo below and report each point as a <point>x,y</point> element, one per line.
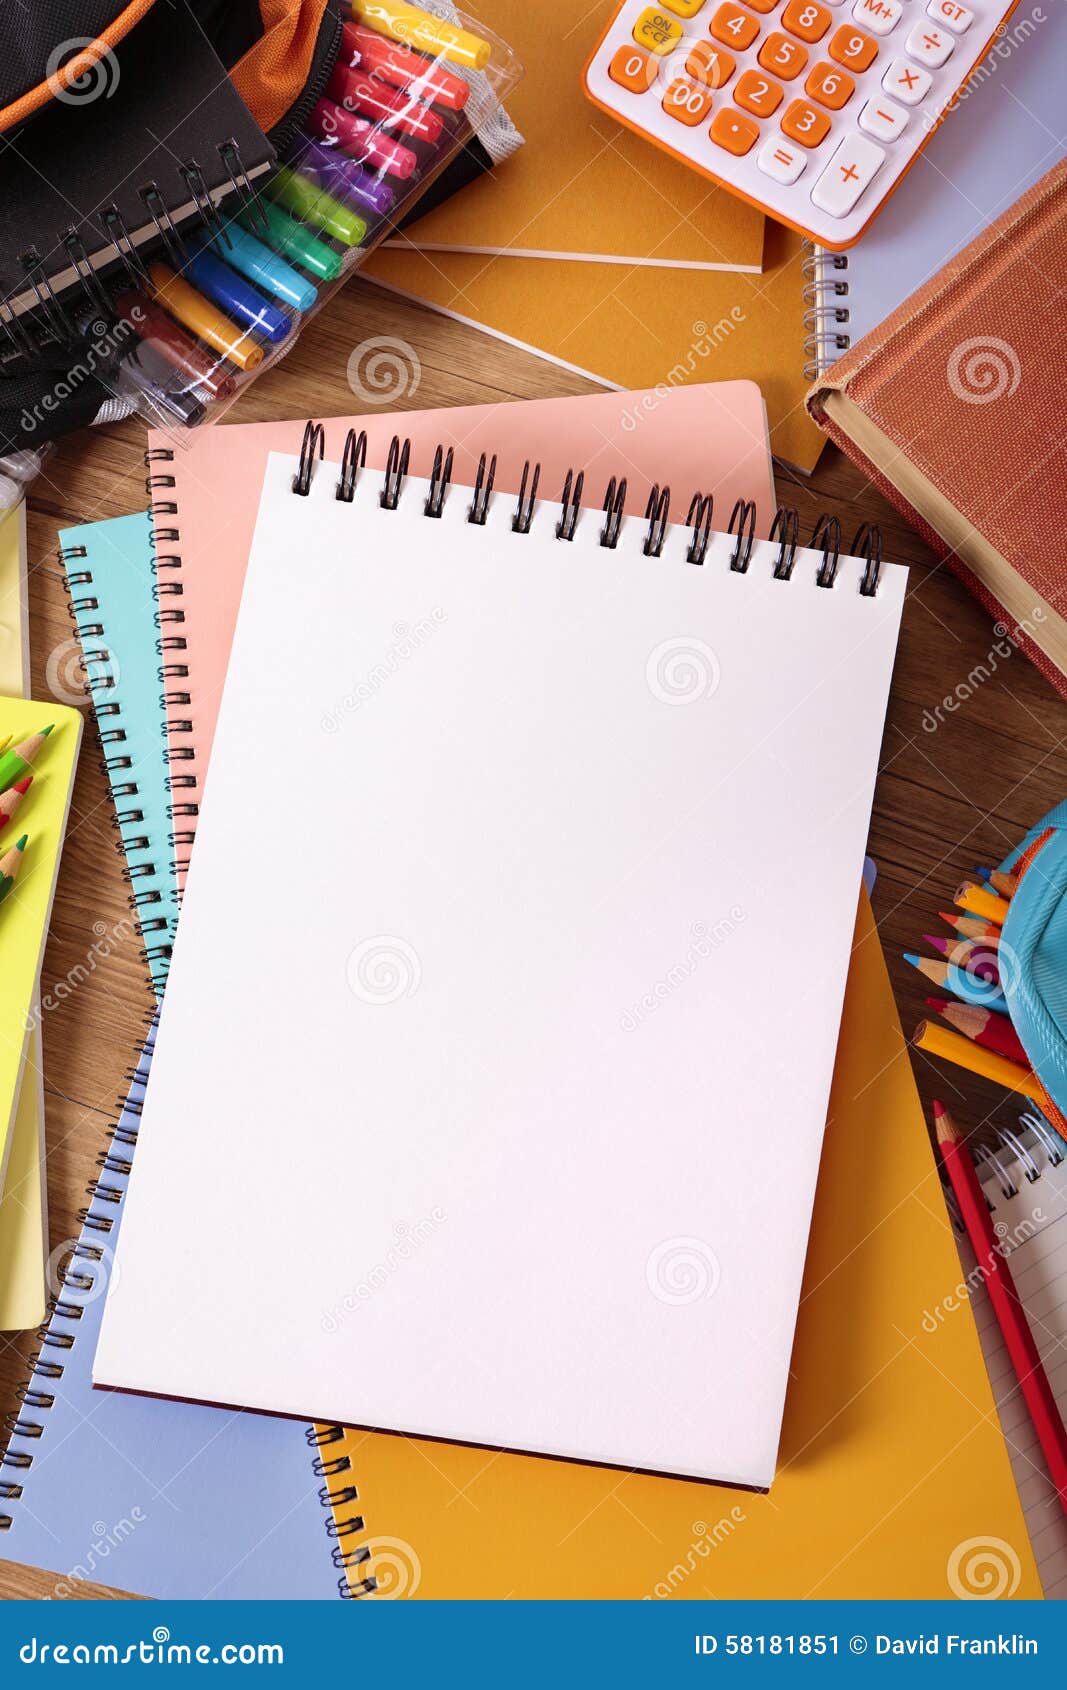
<point>112,581</point>
<point>165,1499</point>
<point>1009,128</point>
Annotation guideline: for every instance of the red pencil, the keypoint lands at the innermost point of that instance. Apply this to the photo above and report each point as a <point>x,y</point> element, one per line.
<point>1011,1316</point>
<point>985,1026</point>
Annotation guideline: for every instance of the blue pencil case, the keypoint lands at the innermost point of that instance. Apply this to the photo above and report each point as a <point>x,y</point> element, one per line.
<point>1033,953</point>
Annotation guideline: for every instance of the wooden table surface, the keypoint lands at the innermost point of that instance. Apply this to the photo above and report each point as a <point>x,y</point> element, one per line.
<point>949,797</point>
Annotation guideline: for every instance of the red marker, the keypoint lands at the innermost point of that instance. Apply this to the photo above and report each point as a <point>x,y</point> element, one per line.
<point>358,92</point>
<point>394,62</point>
<point>1011,1316</point>
<point>360,138</point>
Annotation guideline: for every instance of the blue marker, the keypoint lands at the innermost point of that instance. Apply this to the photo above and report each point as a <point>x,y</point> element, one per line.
<point>237,299</point>
<point>256,261</point>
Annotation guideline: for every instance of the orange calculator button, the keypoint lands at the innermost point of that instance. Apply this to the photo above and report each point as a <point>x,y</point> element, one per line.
<point>786,58</point>
<point>759,94</point>
<point>807,19</point>
<point>830,86</point>
<point>634,69</point>
<point>711,65</point>
<point>853,49</point>
<point>733,131</point>
<point>805,124</point>
<point>763,5</point>
<point>733,25</point>
<point>684,101</point>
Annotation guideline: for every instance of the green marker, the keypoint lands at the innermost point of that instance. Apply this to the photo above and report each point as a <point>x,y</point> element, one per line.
<point>305,199</point>
<point>14,764</point>
<point>292,240</point>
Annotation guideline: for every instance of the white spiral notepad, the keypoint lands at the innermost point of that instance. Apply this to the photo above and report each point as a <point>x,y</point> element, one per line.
<point>561,842</point>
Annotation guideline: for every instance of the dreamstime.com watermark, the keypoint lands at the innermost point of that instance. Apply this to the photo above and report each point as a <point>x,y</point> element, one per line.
<point>1008,1239</point>
<point>983,369</point>
<point>107,942</point>
<point>999,652</point>
<point>983,1569</point>
<point>407,1242</point>
<point>704,941</point>
<point>383,369</point>
<point>158,1650</point>
<point>106,344</point>
<point>705,1539</point>
<point>707,338</point>
<point>406,642</point>
<point>105,1540</point>
<point>81,70</point>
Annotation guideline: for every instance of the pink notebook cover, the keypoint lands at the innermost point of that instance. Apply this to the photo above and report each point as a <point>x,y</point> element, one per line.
<point>205,498</point>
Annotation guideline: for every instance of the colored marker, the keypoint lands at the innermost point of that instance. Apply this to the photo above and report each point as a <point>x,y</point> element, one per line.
<point>393,61</point>
<point>361,138</point>
<point>174,346</point>
<point>292,240</point>
<point>967,953</point>
<point>236,296</point>
<point>358,92</point>
<point>10,863</point>
<point>344,178</point>
<point>251,258</point>
<point>310,202</point>
<point>402,22</point>
<point>15,764</point>
<point>136,370</point>
<point>984,1026</point>
<point>962,985</point>
<point>198,314</point>
<point>12,798</point>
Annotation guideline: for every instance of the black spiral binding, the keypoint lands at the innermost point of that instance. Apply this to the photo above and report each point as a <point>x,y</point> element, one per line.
<point>173,651</point>
<point>826,535</point>
<point>826,309</point>
<point>50,313</point>
<point>1012,1159</point>
<point>346,1558</point>
<point>100,686</point>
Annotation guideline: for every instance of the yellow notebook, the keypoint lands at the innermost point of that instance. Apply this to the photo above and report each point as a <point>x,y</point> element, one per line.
<point>584,186</point>
<point>23,1205</point>
<point>894,1479</point>
<point>25,912</point>
<point>635,327</point>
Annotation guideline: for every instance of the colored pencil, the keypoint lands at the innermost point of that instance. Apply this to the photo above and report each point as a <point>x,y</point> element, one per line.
<point>971,954</point>
<point>16,762</point>
<point>1005,884</point>
<point>5,742</point>
<point>1007,1305</point>
<point>953,1047</point>
<point>984,1026</point>
<point>978,900</point>
<point>971,927</point>
<point>10,863</point>
<point>982,873</point>
<point>12,798</point>
<point>968,987</point>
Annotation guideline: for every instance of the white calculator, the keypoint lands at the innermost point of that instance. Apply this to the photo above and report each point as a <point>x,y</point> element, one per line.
<point>811,110</point>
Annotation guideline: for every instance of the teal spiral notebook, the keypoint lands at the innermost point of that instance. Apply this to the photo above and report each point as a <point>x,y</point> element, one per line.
<point>111,577</point>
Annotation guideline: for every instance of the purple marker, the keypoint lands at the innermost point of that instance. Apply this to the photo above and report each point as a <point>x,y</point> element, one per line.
<point>343,177</point>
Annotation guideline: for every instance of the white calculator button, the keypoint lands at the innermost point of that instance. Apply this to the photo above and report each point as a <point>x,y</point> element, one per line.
<point>781,161</point>
<point>929,45</point>
<point>907,83</point>
<point>883,119</point>
<point>855,163</point>
<point>879,16</point>
<point>956,18</point>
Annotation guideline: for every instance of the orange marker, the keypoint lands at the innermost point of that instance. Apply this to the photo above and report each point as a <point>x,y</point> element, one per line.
<point>206,322</point>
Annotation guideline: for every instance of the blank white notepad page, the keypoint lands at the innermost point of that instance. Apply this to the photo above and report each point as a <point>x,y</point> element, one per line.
<point>558,848</point>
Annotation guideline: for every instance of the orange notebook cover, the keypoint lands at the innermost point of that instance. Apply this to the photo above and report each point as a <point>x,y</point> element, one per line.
<point>954,408</point>
<point>893,1477</point>
<point>208,495</point>
<point>583,186</point>
<point>634,326</point>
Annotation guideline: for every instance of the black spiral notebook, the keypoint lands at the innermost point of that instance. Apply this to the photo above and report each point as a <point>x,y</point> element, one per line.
<point>154,131</point>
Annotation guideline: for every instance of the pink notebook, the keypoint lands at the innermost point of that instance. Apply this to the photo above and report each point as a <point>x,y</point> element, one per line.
<point>205,498</point>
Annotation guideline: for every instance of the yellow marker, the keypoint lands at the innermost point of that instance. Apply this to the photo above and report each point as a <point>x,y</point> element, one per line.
<point>656,31</point>
<point>417,28</point>
<point>199,315</point>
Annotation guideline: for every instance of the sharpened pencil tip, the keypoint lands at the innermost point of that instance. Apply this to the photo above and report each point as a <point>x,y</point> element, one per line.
<point>23,786</point>
<point>938,943</point>
<point>938,1109</point>
<point>20,844</point>
<point>940,1004</point>
<point>916,961</point>
<point>46,731</point>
